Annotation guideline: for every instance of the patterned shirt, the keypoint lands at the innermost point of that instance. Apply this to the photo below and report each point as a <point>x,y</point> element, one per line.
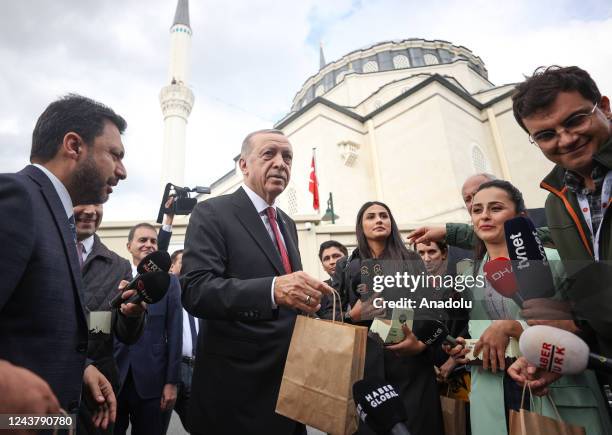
<point>575,183</point>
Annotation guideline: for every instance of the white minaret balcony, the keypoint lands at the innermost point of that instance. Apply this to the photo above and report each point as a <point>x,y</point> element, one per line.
<point>176,100</point>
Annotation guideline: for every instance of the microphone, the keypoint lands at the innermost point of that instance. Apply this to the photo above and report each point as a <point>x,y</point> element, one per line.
<point>559,351</point>
<point>432,332</point>
<point>380,407</point>
<point>499,273</point>
<point>158,261</point>
<point>154,262</point>
<point>150,287</point>
<point>530,265</point>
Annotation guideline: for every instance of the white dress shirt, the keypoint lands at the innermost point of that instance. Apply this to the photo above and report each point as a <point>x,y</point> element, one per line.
<point>187,344</point>
<point>61,190</point>
<point>261,205</point>
<point>87,247</point>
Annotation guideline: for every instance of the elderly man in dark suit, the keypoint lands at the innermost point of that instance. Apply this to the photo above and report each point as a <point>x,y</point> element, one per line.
<point>77,159</point>
<point>103,271</point>
<point>241,274</point>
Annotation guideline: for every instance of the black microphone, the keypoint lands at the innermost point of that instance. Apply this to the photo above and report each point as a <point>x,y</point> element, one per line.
<point>158,261</point>
<point>529,262</point>
<point>380,407</point>
<point>432,332</point>
<point>150,287</point>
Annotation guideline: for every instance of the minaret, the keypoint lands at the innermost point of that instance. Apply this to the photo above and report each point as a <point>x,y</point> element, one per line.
<point>322,62</point>
<point>176,98</point>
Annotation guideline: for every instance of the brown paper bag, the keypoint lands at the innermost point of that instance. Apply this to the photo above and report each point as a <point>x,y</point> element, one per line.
<point>530,423</point>
<point>454,413</point>
<point>325,359</point>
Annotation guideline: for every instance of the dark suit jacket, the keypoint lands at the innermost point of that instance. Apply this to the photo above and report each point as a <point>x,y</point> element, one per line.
<point>155,359</point>
<point>102,273</point>
<point>42,322</point>
<point>163,240</point>
<point>229,263</point>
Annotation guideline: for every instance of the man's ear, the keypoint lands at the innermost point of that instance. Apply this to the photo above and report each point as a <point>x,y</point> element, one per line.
<point>72,145</point>
<point>243,166</point>
<point>604,106</point>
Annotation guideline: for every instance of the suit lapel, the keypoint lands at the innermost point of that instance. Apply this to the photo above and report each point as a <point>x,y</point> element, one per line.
<point>250,219</point>
<point>291,245</point>
<point>61,221</point>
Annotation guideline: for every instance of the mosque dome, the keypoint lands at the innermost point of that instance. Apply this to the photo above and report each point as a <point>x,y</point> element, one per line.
<point>419,55</point>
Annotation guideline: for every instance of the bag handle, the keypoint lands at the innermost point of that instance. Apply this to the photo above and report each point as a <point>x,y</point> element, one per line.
<point>335,295</point>
<point>554,407</point>
<point>530,396</point>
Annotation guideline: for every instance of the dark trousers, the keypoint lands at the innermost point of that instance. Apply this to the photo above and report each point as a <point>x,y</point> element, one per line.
<point>145,415</point>
<point>184,393</point>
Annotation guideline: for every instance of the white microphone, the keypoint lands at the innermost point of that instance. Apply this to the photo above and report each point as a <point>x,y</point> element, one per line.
<point>559,351</point>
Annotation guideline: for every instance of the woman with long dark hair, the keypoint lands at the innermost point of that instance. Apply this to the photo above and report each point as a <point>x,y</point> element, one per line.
<point>494,319</point>
<point>408,365</point>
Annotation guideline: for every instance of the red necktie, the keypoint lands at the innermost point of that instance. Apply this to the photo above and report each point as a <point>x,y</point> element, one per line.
<point>271,212</point>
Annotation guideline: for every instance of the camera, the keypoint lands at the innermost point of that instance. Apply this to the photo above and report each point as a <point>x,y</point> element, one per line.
<point>183,203</point>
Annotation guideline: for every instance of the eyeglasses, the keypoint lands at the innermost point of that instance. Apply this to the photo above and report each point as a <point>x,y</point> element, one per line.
<point>576,124</point>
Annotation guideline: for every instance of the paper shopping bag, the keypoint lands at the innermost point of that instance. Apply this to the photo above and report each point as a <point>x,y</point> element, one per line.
<point>325,359</point>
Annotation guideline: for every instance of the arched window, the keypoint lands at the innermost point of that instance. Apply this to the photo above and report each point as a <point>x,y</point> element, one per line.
<point>292,201</point>
<point>479,161</point>
<point>400,61</point>
<point>431,59</point>
<point>319,91</point>
<point>370,66</point>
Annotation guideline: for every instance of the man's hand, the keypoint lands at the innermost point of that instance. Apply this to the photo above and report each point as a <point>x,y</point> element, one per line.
<point>129,309</point>
<point>169,217</point>
<point>546,309</point>
<point>23,392</point>
<point>102,395</point>
<point>457,352</point>
<point>427,234</point>
<point>300,291</point>
<point>409,346</point>
<point>538,380</point>
<point>446,369</point>
<point>168,398</point>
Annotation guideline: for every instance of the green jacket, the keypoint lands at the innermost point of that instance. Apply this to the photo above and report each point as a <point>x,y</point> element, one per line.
<point>568,228</point>
<point>462,236</point>
<point>591,294</point>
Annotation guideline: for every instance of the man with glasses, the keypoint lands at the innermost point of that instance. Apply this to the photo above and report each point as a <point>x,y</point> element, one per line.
<point>568,119</point>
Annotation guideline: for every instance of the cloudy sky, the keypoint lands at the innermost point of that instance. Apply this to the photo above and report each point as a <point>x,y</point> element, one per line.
<point>249,58</point>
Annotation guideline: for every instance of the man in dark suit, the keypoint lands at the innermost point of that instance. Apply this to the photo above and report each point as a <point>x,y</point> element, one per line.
<point>150,368</point>
<point>103,271</point>
<point>77,158</point>
<point>240,274</point>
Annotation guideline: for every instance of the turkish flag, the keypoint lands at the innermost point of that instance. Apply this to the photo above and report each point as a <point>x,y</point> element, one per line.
<point>313,186</point>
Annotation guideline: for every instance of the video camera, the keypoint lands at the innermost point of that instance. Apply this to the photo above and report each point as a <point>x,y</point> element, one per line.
<point>183,203</point>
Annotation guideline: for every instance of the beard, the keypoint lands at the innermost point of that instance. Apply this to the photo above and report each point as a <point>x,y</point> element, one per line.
<point>87,185</point>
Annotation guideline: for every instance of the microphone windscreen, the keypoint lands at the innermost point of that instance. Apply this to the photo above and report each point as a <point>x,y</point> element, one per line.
<point>529,262</point>
<point>154,262</point>
<point>554,350</point>
<point>378,404</point>
<point>499,273</point>
<point>430,332</point>
<point>152,286</point>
